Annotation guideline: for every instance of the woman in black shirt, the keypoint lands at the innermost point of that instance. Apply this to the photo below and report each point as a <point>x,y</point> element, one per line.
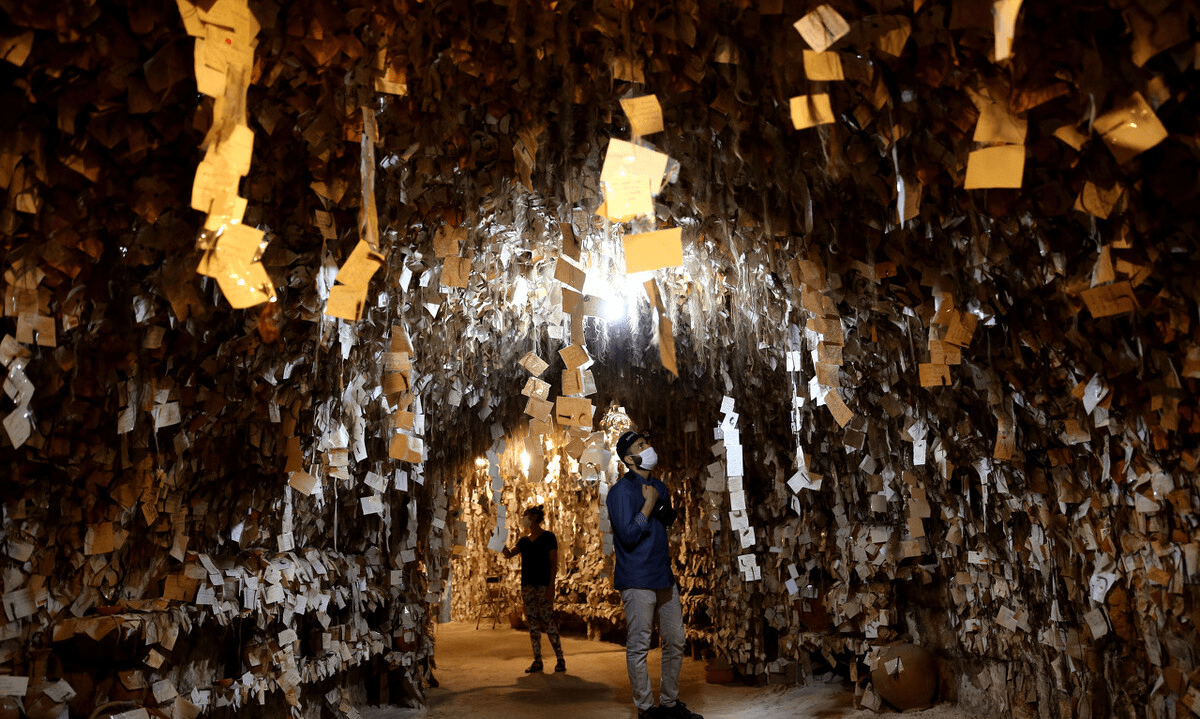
<point>539,567</point>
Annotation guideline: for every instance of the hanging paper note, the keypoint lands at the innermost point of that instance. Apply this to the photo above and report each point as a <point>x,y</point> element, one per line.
<point>625,158</point>
<point>653,250</point>
<point>822,27</point>
<point>823,66</point>
<point>811,110</point>
<point>644,113</point>
<point>348,297</point>
<point>1000,166</point>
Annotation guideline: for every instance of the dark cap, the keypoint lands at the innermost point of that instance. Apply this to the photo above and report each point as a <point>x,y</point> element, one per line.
<point>625,442</point>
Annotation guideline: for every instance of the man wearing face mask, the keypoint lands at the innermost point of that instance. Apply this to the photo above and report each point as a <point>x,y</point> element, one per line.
<point>640,511</point>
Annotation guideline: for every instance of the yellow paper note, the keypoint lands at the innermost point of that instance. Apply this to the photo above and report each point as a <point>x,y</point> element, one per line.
<point>1000,166</point>
<point>824,66</point>
<point>644,113</point>
<point>346,302</point>
<point>811,110</point>
<point>652,250</point>
<point>628,197</point>
<point>625,158</point>
<point>456,271</point>
<point>360,266</point>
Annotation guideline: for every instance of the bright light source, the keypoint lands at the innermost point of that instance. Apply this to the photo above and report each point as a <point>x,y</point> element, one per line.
<point>615,309</point>
<point>481,462</point>
<point>525,463</point>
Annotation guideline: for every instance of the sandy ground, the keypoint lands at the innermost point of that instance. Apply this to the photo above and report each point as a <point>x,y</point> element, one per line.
<point>482,674</point>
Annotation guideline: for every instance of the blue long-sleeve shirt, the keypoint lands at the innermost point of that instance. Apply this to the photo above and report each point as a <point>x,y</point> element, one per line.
<point>643,553</point>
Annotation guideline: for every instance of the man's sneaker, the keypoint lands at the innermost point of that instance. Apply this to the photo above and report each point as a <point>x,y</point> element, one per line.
<point>650,713</point>
<point>561,666</point>
<point>679,711</point>
<point>535,667</point>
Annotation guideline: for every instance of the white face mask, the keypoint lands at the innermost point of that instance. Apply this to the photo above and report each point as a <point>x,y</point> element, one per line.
<point>649,458</point>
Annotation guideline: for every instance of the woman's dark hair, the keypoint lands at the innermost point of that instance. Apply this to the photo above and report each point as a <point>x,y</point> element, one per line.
<point>536,514</point>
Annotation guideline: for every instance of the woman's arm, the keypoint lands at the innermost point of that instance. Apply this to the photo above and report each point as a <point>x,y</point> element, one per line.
<point>553,574</point>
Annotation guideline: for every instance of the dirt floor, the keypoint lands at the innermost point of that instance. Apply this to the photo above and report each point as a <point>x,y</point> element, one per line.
<point>481,673</point>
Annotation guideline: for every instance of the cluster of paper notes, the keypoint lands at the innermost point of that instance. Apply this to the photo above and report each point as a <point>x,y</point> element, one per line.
<point>500,536</point>
<point>27,301</point>
<point>1002,162</point>
<point>632,176</point>
<point>820,28</point>
<point>825,338</point>
<point>225,40</point>
<point>407,419</point>
<point>950,332</point>
<point>729,438</point>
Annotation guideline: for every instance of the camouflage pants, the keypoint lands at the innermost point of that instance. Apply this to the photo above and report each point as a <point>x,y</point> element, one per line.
<point>539,612</point>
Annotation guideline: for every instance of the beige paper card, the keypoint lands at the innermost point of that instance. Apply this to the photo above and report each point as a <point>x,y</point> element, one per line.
<point>934,375</point>
<point>822,27</point>
<point>456,271</point>
<point>961,329</point>
<point>1004,13</point>
<point>666,345</point>
<point>625,158</point>
<point>837,407</point>
<point>571,301</point>
<point>447,240</point>
<point>1098,201</point>
<point>569,274</point>
<point>1000,166</point>
<point>1108,300</point>
<point>942,352</point>
<point>998,124</point>
<point>571,246</point>
<point>575,357</point>
<point>811,110</point>
<point>823,66</point>
<point>538,408</point>
<point>533,364</point>
<point>302,482</point>
<point>1071,135</point>
<point>573,412</point>
<point>535,387</point>
<point>1130,128</point>
<point>644,113</point>
<point>653,250</point>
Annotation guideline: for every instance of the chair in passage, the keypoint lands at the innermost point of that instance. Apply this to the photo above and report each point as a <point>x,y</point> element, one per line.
<point>493,602</point>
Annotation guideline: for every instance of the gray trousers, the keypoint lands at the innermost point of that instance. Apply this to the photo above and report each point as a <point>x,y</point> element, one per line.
<point>641,605</point>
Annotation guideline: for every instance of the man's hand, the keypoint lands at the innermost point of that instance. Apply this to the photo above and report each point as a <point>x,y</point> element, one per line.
<point>650,494</point>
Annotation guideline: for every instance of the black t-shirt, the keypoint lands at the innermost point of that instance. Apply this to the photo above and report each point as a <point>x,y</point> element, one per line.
<point>535,559</point>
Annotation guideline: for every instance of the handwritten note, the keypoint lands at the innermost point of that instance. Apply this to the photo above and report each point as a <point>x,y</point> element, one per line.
<point>644,113</point>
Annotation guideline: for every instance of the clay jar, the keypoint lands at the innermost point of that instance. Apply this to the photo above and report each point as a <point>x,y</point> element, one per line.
<point>914,685</point>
